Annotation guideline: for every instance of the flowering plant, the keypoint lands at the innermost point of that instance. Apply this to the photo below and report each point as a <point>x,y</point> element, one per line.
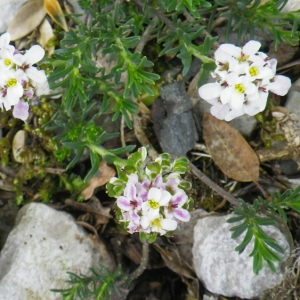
<point>151,197</point>
<point>19,79</point>
<point>245,77</point>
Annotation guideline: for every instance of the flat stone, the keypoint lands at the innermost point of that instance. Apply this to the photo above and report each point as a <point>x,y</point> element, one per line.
<point>293,98</point>
<point>173,120</point>
<point>42,247</point>
<point>221,269</point>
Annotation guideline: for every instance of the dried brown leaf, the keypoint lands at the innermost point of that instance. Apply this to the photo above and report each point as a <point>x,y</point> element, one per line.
<point>174,262</point>
<point>229,150</point>
<point>46,33</point>
<point>28,18</point>
<point>105,174</point>
<point>54,10</point>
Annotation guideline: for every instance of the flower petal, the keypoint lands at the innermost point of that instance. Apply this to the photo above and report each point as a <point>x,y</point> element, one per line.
<point>220,110</point>
<point>34,54</point>
<point>233,114</point>
<point>210,91</point>
<point>130,191</point>
<point>154,194</point>
<point>20,110</point>
<point>251,47</point>
<point>165,198</point>
<point>168,224</point>
<point>36,75</point>
<point>182,214</point>
<point>145,222</point>
<point>179,198</point>
<point>123,203</point>
<point>280,86</point>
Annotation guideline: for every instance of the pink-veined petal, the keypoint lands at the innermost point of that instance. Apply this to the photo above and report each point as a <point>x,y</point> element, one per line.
<point>20,110</point>
<point>130,191</point>
<point>123,203</point>
<point>134,217</point>
<point>179,198</point>
<point>158,181</point>
<point>280,86</point>
<point>182,214</point>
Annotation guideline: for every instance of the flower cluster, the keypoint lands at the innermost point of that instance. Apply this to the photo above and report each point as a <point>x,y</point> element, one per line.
<point>245,78</point>
<point>19,79</point>
<point>153,198</point>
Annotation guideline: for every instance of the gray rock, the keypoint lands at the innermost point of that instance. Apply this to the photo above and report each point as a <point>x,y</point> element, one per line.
<point>221,269</point>
<point>43,246</point>
<point>173,120</point>
<point>293,98</point>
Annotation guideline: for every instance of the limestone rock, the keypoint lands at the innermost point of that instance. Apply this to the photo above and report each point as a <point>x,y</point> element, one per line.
<point>221,269</point>
<point>42,247</point>
<point>292,103</point>
<point>291,5</point>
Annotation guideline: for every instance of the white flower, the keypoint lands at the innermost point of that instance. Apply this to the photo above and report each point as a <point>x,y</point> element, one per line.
<point>241,54</point>
<point>7,59</point>
<point>26,62</point>
<point>12,88</point>
<point>211,91</point>
<point>280,85</point>
<point>156,199</point>
<point>4,40</point>
<point>157,224</point>
<point>174,210</point>
<point>246,77</point>
<point>238,87</point>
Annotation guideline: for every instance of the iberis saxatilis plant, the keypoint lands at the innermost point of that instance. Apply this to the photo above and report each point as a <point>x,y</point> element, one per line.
<point>20,80</point>
<point>151,196</point>
<point>245,77</point>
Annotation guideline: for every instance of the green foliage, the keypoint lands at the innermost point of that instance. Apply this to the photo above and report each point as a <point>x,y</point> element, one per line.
<point>289,199</point>
<point>99,286</point>
<point>161,166</point>
<point>265,248</point>
<point>100,68</point>
<point>247,15</point>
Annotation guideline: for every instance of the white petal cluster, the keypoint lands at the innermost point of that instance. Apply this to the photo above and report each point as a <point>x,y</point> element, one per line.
<point>20,80</point>
<point>245,77</point>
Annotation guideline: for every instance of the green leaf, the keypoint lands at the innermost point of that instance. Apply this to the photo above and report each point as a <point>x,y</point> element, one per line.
<point>95,161</point>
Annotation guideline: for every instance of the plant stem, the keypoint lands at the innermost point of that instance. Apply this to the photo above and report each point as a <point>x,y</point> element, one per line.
<point>101,151</point>
<point>214,186</point>
<point>141,268</point>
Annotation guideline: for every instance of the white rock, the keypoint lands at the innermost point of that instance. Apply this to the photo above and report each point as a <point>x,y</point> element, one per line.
<point>291,5</point>
<point>43,246</point>
<point>8,9</point>
<point>221,269</point>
